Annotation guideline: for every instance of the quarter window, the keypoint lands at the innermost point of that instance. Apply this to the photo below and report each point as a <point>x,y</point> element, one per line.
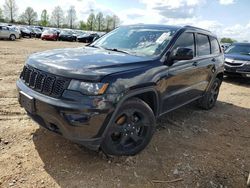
<point>214,46</point>
<point>203,47</point>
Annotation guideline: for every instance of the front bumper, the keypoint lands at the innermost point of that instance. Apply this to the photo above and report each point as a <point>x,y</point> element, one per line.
<point>57,115</point>
<point>48,37</point>
<point>243,69</point>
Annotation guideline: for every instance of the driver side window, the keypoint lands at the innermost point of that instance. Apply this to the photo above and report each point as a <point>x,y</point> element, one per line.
<point>5,28</point>
<point>186,40</point>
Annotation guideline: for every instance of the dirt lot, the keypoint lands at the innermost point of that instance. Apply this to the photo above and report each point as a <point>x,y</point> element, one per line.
<point>195,148</point>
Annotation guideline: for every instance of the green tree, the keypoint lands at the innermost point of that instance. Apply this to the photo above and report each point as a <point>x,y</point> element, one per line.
<point>227,40</point>
<point>82,25</point>
<point>71,17</point>
<point>44,18</point>
<point>91,22</point>
<point>57,17</point>
<point>29,16</point>
<point>100,21</point>
<point>10,10</point>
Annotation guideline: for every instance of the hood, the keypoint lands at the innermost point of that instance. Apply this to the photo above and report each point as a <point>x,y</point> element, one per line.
<point>238,57</point>
<point>85,63</point>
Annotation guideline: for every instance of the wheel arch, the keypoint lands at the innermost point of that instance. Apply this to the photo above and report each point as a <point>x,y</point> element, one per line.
<point>220,75</point>
<point>149,95</point>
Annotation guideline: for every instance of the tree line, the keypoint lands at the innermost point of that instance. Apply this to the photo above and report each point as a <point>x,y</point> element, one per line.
<point>58,18</point>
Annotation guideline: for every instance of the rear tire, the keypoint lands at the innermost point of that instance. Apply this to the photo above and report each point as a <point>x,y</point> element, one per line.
<point>208,101</point>
<point>12,37</point>
<point>132,129</point>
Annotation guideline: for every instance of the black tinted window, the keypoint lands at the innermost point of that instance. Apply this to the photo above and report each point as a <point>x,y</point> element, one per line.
<point>186,40</point>
<point>203,47</point>
<point>214,45</point>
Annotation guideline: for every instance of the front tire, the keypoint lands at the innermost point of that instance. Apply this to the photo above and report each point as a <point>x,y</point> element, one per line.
<point>208,101</point>
<point>12,37</point>
<point>132,129</point>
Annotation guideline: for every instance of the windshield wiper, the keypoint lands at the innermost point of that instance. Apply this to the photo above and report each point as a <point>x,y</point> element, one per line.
<point>116,50</point>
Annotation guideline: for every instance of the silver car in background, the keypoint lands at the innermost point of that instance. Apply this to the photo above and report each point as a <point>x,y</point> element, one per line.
<point>7,32</point>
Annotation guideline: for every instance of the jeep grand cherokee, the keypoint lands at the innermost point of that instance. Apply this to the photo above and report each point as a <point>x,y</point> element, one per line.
<point>109,94</point>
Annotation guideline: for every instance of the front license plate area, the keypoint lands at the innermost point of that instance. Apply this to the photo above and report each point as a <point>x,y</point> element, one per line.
<point>27,102</point>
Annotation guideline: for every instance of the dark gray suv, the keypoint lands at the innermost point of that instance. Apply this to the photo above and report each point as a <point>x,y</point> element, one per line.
<point>109,94</point>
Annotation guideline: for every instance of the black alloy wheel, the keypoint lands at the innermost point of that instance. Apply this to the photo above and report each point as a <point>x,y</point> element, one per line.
<point>132,129</point>
<point>208,101</point>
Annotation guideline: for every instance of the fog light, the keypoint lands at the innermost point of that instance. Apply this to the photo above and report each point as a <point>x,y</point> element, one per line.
<point>77,119</point>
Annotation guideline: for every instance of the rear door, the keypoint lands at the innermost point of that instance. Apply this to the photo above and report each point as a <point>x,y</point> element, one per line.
<point>1,32</point>
<point>5,32</point>
<point>205,60</point>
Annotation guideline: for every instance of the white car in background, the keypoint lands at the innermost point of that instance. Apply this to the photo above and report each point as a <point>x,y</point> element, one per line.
<point>9,33</point>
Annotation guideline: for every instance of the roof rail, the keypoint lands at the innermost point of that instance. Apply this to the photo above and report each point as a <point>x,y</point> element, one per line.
<point>192,27</point>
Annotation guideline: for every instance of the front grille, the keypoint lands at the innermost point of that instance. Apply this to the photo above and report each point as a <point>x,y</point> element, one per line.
<point>234,64</point>
<point>43,82</point>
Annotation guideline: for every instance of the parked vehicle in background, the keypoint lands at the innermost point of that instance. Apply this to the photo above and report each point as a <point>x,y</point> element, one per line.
<point>25,32</point>
<point>109,94</point>
<point>237,60</point>
<point>88,37</point>
<point>224,46</point>
<point>39,27</point>
<point>67,35</point>
<point>49,35</point>
<point>35,32</point>
<point>16,29</point>
<point>8,33</point>
<point>78,33</point>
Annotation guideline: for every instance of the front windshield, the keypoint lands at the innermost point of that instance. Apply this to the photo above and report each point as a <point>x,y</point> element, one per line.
<point>243,49</point>
<point>137,40</point>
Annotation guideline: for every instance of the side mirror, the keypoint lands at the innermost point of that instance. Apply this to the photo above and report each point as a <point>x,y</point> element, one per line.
<point>182,54</point>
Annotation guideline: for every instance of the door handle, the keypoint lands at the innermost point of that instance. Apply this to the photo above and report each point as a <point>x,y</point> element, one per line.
<point>214,60</point>
<point>195,63</point>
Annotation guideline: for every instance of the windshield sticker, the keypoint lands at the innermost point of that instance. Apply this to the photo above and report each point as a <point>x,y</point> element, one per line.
<point>163,37</point>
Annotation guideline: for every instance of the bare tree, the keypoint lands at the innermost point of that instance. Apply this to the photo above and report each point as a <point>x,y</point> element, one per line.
<point>44,18</point>
<point>116,21</point>
<point>29,16</point>
<point>71,17</point>
<point>91,21</point>
<point>10,10</point>
<point>100,21</point>
<point>1,15</point>
<point>108,23</point>
<point>57,17</point>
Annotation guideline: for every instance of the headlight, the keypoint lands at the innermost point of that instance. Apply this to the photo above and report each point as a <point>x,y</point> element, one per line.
<point>229,60</point>
<point>88,88</point>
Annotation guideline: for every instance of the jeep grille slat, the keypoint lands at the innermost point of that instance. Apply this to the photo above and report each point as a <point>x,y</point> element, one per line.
<point>43,82</point>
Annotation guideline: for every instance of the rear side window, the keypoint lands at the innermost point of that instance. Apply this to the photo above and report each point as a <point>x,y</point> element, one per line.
<point>186,40</point>
<point>214,46</point>
<point>203,45</point>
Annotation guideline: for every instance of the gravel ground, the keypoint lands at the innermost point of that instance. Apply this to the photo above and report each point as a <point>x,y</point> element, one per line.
<point>191,148</point>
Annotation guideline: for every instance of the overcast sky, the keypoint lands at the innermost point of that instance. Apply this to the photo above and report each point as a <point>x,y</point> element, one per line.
<point>228,18</point>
